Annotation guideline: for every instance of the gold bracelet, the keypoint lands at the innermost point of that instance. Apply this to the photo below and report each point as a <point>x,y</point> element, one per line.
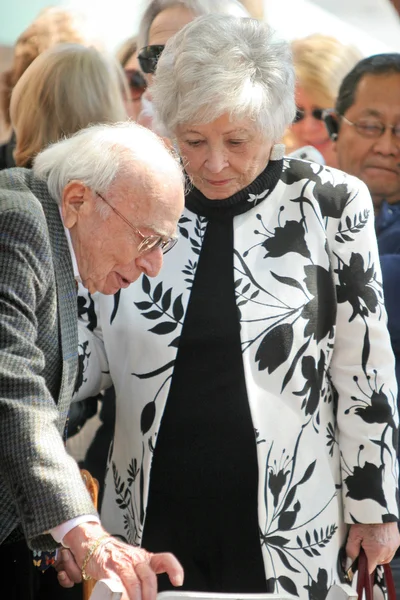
<point>90,553</point>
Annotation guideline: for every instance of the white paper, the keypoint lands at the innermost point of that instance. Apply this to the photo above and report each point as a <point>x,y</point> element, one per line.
<point>107,589</point>
<point>341,591</point>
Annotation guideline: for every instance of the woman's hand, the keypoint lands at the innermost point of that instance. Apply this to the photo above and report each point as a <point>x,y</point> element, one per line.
<point>379,541</point>
<point>136,568</point>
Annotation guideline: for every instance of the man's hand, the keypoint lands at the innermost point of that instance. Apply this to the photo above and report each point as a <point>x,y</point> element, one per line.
<point>379,541</point>
<point>136,568</point>
<point>68,571</point>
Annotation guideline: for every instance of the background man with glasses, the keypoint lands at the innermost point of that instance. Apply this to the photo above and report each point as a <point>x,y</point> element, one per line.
<point>365,127</point>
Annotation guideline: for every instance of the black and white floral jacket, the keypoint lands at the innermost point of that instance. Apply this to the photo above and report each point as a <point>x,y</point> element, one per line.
<point>318,366</point>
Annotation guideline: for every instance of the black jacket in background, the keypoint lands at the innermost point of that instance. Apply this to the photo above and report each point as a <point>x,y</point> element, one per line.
<point>6,153</point>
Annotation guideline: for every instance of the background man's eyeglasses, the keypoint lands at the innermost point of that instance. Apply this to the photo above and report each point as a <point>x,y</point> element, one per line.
<point>372,128</point>
<point>136,81</point>
<point>149,242</point>
<point>301,113</point>
<point>148,58</point>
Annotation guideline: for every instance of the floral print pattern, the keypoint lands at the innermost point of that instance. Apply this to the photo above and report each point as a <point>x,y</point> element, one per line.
<point>318,367</point>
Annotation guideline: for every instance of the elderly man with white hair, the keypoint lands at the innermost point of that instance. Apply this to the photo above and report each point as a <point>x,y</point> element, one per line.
<point>101,206</point>
<point>256,413</point>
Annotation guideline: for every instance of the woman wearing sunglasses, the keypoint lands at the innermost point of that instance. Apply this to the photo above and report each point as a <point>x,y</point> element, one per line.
<point>161,20</point>
<point>321,62</point>
<point>256,411</point>
<point>127,55</point>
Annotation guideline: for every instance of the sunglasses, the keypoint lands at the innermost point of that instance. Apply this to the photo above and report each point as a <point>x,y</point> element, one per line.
<point>148,58</point>
<point>317,113</point>
<point>136,81</point>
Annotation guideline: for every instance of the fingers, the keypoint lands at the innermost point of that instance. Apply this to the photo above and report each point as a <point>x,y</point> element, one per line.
<point>117,560</point>
<point>379,542</point>
<point>377,555</point>
<point>64,580</point>
<point>132,584</point>
<point>353,544</point>
<point>68,571</point>
<point>148,581</point>
<point>141,583</point>
<point>135,568</point>
<point>164,562</point>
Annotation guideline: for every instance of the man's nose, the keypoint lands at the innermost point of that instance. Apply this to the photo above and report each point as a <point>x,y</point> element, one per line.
<point>151,262</point>
<point>387,143</point>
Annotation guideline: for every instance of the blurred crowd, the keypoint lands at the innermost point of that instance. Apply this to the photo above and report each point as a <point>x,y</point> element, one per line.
<point>347,117</point>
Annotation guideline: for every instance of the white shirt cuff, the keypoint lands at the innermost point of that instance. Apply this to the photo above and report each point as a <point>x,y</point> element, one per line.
<point>60,531</point>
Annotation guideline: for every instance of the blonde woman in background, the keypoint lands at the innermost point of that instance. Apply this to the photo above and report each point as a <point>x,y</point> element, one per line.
<point>67,88</point>
<point>321,62</point>
<point>52,26</point>
<point>127,56</point>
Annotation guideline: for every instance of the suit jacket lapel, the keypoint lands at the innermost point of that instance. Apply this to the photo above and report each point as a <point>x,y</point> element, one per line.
<point>66,294</point>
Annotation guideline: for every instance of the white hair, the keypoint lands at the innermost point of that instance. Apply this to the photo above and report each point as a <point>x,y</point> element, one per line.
<point>198,7</point>
<point>98,154</point>
<point>218,64</point>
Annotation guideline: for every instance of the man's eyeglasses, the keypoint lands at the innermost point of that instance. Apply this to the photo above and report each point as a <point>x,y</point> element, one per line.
<point>149,242</point>
<point>137,83</point>
<point>301,113</point>
<point>372,128</point>
<point>148,58</point>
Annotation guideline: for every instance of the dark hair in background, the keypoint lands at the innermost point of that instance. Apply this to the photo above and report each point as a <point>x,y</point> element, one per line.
<point>378,64</point>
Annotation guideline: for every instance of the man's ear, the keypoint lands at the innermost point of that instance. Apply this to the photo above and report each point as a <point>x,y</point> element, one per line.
<point>74,198</point>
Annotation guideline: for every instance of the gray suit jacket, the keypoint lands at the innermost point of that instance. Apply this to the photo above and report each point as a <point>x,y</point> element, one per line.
<point>40,485</point>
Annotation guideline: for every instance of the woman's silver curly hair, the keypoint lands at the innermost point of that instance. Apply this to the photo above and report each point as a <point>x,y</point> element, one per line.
<point>218,64</point>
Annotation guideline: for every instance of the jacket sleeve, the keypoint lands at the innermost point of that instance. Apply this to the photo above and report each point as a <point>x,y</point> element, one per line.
<point>362,367</point>
<point>390,264</point>
<point>34,464</point>
<point>94,374</point>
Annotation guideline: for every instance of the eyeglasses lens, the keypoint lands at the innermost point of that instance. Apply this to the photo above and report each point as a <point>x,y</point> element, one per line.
<point>168,245</point>
<point>370,128</point>
<point>152,242</point>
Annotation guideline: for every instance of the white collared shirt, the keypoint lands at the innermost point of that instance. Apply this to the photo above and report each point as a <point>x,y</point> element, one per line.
<point>60,531</point>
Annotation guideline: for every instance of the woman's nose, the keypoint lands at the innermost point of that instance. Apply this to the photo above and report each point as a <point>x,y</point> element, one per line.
<point>310,123</point>
<point>215,161</point>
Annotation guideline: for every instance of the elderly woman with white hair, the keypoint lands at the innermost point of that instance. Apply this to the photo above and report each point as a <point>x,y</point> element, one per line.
<point>256,397</point>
